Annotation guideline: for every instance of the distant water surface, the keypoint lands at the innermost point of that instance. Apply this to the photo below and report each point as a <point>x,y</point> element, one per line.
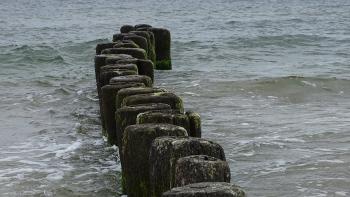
<point>270,78</point>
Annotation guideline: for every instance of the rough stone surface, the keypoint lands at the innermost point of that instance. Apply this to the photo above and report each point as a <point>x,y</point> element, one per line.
<point>164,153</point>
<point>149,36</point>
<point>206,189</point>
<point>109,93</point>
<point>126,116</point>
<point>133,78</point>
<point>200,168</point>
<point>134,52</point>
<point>145,67</point>
<point>127,28</point>
<point>170,117</point>
<point>162,48</point>
<point>142,26</point>
<point>195,124</point>
<point>135,162</point>
<point>110,67</point>
<point>125,45</point>
<point>101,46</point>
<point>134,91</point>
<point>160,97</point>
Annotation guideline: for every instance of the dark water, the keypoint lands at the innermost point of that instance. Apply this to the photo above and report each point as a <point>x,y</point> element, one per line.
<point>271,80</point>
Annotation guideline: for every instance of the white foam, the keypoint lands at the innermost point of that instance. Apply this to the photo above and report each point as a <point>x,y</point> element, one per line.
<point>69,149</point>
<point>58,175</point>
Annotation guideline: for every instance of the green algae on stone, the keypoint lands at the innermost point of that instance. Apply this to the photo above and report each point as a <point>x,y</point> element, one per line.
<point>206,189</point>
<point>162,48</point>
<point>134,91</point>
<point>200,168</point>
<point>159,97</point>
<point>163,65</point>
<point>164,153</point>
<point>109,93</point>
<point>136,144</point>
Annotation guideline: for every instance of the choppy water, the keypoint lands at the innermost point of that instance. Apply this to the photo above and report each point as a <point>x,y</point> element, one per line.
<point>271,80</point>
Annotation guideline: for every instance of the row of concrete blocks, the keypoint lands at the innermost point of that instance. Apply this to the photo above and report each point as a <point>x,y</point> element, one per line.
<point>160,145</point>
<point>142,42</point>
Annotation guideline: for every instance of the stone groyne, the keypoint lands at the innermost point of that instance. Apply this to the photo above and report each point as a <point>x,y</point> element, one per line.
<point>161,149</point>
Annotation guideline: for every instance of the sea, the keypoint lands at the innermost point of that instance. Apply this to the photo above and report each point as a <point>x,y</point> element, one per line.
<point>270,79</point>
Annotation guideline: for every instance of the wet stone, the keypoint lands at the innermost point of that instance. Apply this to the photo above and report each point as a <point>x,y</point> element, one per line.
<point>132,78</point>
<point>139,40</point>
<point>134,91</point>
<point>162,48</point>
<point>109,93</point>
<point>125,45</point>
<point>201,168</point>
<point>111,67</point>
<point>149,36</point>
<point>145,67</point>
<point>134,52</point>
<point>101,46</point>
<point>126,116</point>
<point>206,189</point>
<point>164,153</point>
<point>169,117</point>
<point>195,124</point>
<point>160,97</point>
<point>142,26</point>
<point>136,145</point>
<point>127,28</point>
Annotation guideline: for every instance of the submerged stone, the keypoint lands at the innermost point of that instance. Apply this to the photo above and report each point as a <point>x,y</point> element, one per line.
<point>160,97</point>
<point>206,189</point>
<point>136,145</point>
<point>164,153</point>
<point>134,91</point>
<point>134,52</point>
<point>201,168</point>
<point>109,93</point>
<point>133,78</point>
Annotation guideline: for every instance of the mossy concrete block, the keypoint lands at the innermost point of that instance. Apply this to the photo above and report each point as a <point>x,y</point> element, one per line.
<point>169,117</point>
<point>126,116</point>
<point>201,168</point>
<point>133,78</point>
<point>136,145</point>
<point>112,67</point>
<point>126,45</point>
<point>109,93</point>
<point>102,59</point>
<point>139,40</point>
<point>134,52</point>
<point>145,67</point>
<point>120,36</point>
<point>160,97</point>
<point>127,28</point>
<point>162,48</point>
<point>195,124</point>
<point>206,189</point>
<point>165,152</point>
<point>134,91</point>
<point>150,42</point>
<point>101,46</point>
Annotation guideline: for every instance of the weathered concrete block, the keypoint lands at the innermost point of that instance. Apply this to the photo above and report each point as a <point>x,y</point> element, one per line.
<point>112,67</point>
<point>149,36</point>
<point>206,189</point>
<point>201,168</point>
<point>190,121</point>
<point>162,48</point>
<point>127,28</point>
<point>145,67</point>
<point>109,93</point>
<point>160,97</point>
<point>169,117</point>
<point>134,91</point>
<point>126,116</point>
<point>134,52</point>
<point>195,124</point>
<point>164,153</point>
<point>136,146</point>
<point>101,60</point>
<point>132,78</point>
<point>101,46</point>
<point>139,40</point>
<point>125,45</point>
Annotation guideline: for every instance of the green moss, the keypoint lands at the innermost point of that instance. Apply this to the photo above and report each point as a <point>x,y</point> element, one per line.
<point>163,65</point>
